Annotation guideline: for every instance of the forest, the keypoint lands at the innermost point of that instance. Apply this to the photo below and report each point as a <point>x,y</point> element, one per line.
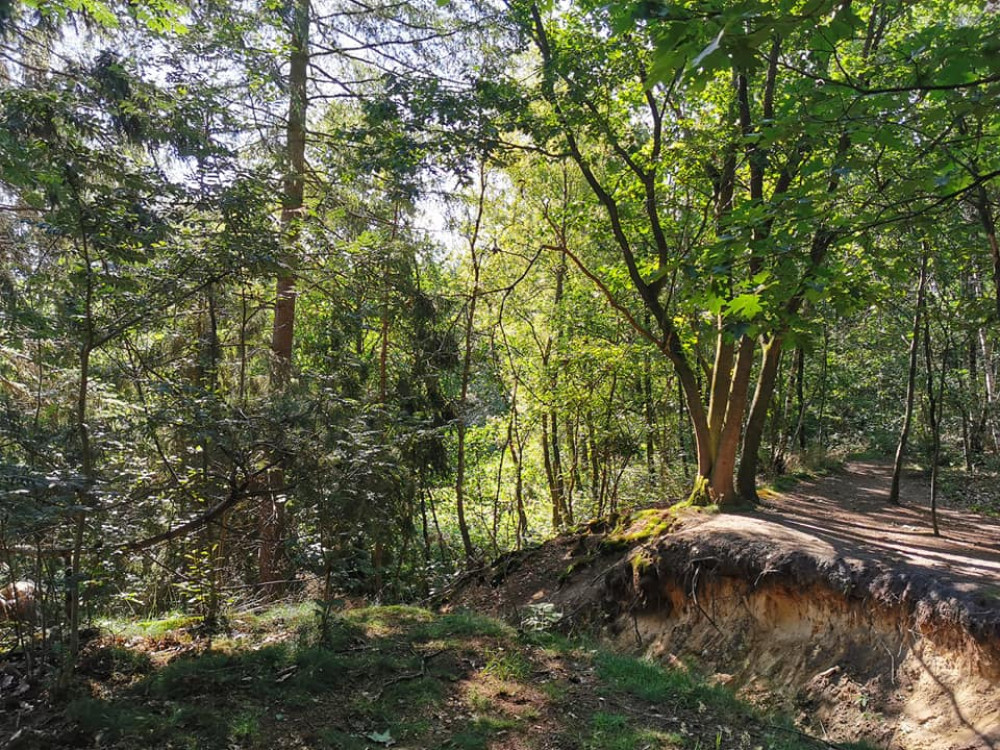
<point>346,300</point>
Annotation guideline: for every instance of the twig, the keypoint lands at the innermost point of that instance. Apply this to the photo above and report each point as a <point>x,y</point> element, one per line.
<point>407,676</point>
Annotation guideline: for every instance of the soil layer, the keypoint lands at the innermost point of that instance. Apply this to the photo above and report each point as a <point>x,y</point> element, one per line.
<point>846,611</point>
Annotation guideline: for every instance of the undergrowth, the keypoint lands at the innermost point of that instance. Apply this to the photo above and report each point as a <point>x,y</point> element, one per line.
<point>398,676</point>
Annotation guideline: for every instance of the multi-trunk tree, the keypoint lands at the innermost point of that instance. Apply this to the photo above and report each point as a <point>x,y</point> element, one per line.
<point>735,153</point>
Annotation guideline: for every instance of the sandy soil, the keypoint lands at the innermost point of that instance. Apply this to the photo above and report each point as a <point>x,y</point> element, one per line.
<point>848,511</point>
<point>847,611</point>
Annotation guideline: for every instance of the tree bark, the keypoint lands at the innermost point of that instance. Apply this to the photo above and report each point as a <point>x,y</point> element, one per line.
<point>800,397</point>
<point>911,382</point>
<point>934,416</point>
<point>272,509</point>
<point>466,378</point>
<point>746,480</point>
<point>723,485</point>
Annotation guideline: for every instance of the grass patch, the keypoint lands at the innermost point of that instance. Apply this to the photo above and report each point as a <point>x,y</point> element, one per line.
<point>507,665</point>
<point>784,482</point>
<point>170,622</point>
<point>613,732</point>
<point>245,726</point>
<point>476,734</point>
<point>390,618</point>
<point>552,644</point>
<point>334,739</point>
<point>462,624</point>
<point>282,616</point>
<point>115,663</point>
<point>651,682</point>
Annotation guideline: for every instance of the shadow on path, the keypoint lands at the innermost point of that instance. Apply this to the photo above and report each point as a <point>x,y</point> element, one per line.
<point>849,510</point>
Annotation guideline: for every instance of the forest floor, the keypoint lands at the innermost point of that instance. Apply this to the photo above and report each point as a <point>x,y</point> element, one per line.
<point>824,619</point>
<point>826,601</point>
<point>380,677</point>
<point>847,513</point>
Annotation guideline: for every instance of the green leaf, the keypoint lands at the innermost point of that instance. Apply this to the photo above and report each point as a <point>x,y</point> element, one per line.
<point>747,306</point>
<point>382,738</point>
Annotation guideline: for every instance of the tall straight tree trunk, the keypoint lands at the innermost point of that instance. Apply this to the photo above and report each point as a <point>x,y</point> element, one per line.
<point>975,426</point>
<point>558,473</point>
<point>681,432</point>
<point>800,397</point>
<point>463,402</point>
<point>550,475</point>
<point>550,431</point>
<point>272,508</point>
<point>986,346</point>
<point>649,411</point>
<point>984,209</point>
<point>516,448</point>
<point>911,382</point>
<point>821,409</point>
<point>934,416</point>
<point>87,468</point>
<point>282,335</point>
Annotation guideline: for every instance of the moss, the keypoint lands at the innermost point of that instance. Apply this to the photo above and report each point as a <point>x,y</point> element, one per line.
<point>574,566</point>
<point>639,527</point>
<point>641,563</point>
<point>701,493</point>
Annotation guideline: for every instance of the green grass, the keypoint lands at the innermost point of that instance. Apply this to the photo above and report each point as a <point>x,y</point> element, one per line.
<point>170,622</point>
<point>463,624</point>
<point>285,616</point>
<point>609,731</point>
<point>507,665</point>
<point>652,682</point>
<point>476,734</point>
<point>334,739</point>
<point>457,680</point>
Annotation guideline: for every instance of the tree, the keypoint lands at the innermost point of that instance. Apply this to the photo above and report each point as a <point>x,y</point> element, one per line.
<point>272,510</point>
<point>632,95</point>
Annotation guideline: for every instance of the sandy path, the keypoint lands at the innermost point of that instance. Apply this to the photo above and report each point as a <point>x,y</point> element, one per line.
<point>849,511</point>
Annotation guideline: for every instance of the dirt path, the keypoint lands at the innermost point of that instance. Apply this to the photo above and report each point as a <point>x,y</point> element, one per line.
<point>849,510</point>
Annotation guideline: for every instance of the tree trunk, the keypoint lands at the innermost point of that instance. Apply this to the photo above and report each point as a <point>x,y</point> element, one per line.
<point>723,485</point>
<point>746,480</point>
<point>728,407</point>
<point>649,412</point>
<point>911,382</point>
<point>984,208</point>
<point>989,375</point>
<point>86,459</point>
<point>282,335</point>
<point>681,432</point>
<point>550,475</point>
<point>821,409</point>
<point>463,401</point>
<point>516,448</point>
<point>934,417</point>
<point>800,377</point>
<point>272,509</point>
